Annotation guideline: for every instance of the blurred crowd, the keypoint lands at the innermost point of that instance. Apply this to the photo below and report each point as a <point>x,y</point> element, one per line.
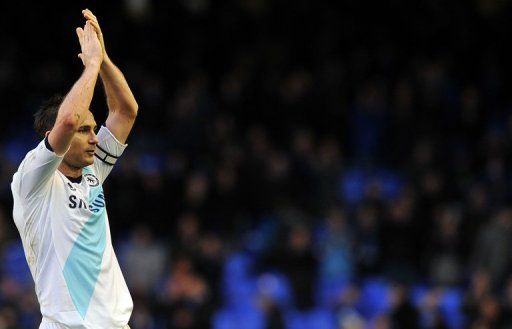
<point>294,164</point>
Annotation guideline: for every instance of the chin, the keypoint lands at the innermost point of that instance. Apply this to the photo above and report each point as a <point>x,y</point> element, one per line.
<point>88,161</point>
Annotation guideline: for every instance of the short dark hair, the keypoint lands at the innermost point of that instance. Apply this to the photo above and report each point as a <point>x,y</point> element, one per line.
<point>44,118</point>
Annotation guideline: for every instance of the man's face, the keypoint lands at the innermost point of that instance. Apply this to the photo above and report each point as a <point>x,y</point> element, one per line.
<point>83,144</point>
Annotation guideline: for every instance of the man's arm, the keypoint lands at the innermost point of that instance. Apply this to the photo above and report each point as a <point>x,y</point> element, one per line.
<point>122,106</point>
<point>76,103</point>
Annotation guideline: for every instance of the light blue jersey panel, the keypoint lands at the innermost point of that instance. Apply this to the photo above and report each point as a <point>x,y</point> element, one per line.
<point>83,264</point>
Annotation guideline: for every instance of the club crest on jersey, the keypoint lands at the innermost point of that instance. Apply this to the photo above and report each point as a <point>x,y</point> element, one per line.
<point>91,180</point>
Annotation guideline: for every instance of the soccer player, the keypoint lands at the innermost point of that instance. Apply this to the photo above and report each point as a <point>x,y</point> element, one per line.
<point>59,204</point>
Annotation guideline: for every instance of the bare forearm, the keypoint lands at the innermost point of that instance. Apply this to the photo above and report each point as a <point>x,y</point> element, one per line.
<point>73,110</point>
<point>122,107</point>
<point>78,100</point>
<point>120,98</point>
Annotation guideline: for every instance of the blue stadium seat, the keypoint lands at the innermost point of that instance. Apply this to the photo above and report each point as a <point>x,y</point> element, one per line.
<point>276,286</point>
<point>322,319</point>
<point>374,298</point>
<point>352,185</point>
<point>248,318</point>
<point>30,319</point>
<point>417,294</point>
<point>390,183</point>
<point>450,306</point>
<point>318,318</point>
<point>237,266</point>
<point>243,294</point>
<point>239,287</point>
<point>15,264</point>
<point>328,292</point>
<point>355,182</point>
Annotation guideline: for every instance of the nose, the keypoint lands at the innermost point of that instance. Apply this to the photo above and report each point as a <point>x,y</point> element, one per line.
<point>93,138</point>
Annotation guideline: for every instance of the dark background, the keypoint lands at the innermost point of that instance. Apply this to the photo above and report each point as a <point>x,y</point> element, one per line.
<point>294,164</point>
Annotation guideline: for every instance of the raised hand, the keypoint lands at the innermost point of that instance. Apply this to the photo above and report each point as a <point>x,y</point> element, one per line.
<point>92,52</point>
<point>89,16</point>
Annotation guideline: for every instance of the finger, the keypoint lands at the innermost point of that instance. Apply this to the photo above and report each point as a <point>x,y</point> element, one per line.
<point>88,14</point>
<point>96,27</point>
<point>86,11</point>
<point>80,34</point>
<point>87,17</point>
<point>88,33</point>
<point>88,28</point>
<point>90,17</point>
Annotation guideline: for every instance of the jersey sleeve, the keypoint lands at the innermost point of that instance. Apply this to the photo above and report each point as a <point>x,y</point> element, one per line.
<point>36,171</point>
<point>108,150</point>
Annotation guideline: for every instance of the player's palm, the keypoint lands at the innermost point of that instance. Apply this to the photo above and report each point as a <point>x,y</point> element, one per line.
<point>92,52</point>
<point>89,16</point>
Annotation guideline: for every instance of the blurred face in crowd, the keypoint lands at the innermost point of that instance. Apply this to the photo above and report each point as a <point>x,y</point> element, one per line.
<point>489,308</point>
<point>300,239</point>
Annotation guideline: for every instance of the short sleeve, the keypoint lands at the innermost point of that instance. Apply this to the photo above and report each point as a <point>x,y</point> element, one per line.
<point>108,151</point>
<point>36,171</point>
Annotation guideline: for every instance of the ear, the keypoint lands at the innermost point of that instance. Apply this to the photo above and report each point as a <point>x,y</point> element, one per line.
<point>46,134</point>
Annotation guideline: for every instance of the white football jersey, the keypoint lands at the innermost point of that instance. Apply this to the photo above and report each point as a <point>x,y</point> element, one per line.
<point>64,228</point>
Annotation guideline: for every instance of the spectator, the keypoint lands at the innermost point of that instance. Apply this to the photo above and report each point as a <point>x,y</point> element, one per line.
<point>479,288</point>
<point>403,314</point>
<point>336,255</point>
<point>186,296</point>
<point>492,248</point>
<point>368,248</point>
<point>297,262</point>
<point>444,248</point>
<point>143,252</point>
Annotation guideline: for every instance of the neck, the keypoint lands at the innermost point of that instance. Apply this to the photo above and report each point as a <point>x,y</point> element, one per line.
<point>70,171</point>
